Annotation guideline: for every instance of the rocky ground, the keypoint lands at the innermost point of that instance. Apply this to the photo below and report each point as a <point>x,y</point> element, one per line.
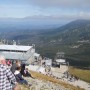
<point>46,82</point>
<point>43,85</point>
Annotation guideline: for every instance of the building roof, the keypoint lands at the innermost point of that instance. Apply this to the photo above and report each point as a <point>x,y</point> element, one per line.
<point>15,47</point>
<point>60,53</point>
<point>60,60</point>
<point>15,55</point>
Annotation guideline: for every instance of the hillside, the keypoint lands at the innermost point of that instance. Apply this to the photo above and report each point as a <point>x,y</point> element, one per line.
<point>43,82</point>
<point>72,38</point>
<point>71,32</point>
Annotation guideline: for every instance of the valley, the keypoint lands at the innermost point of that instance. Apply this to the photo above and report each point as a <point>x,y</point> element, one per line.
<point>72,38</point>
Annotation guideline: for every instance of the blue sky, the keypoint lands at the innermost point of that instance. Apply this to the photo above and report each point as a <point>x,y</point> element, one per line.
<point>51,9</point>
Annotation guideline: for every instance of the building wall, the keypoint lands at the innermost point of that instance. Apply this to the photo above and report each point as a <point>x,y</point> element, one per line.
<point>31,59</point>
<point>62,69</point>
<point>27,56</point>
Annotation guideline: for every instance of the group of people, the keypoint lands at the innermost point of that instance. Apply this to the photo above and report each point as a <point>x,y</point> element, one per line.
<point>11,76</point>
<point>70,77</point>
<point>19,70</point>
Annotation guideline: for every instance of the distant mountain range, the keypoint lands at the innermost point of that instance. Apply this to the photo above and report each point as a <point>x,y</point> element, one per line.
<point>72,38</point>
<point>72,32</point>
<point>9,24</point>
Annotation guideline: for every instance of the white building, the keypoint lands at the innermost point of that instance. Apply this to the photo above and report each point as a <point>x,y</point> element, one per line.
<point>46,62</point>
<point>18,52</point>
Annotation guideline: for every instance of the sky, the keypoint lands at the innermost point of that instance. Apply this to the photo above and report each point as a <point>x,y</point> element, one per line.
<point>47,9</point>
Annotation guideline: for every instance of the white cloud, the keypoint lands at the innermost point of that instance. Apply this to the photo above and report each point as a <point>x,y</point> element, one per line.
<point>54,9</point>
<point>69,17</point>
<point>81,8</point>
<point>80,4</point>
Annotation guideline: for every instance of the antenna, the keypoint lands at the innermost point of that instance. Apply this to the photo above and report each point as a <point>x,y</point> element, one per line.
<point>7,42</point>
<point>33,45</point>
<point>4,41</point>
<point>14,42</point>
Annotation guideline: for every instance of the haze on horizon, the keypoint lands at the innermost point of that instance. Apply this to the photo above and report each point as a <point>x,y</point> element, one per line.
<point>53,10</point>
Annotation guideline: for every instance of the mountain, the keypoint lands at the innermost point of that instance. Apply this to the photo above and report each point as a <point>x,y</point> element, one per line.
<point>72,38</point>
<point>71,32</point>
<point>11,24</point>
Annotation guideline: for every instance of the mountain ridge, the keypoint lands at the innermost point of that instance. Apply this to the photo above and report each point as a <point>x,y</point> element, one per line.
<point>72,38</point>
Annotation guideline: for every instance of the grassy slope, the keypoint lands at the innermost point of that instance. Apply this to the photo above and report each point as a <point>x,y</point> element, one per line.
<point>82,74</point>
